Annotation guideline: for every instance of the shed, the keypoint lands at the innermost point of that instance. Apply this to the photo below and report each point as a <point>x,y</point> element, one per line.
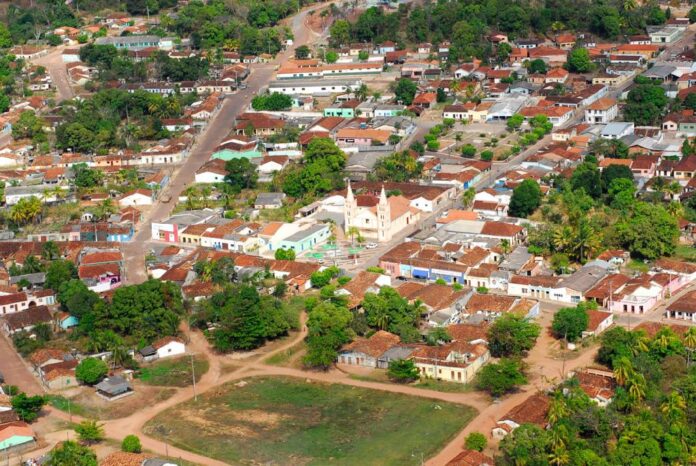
<point>114,388</point>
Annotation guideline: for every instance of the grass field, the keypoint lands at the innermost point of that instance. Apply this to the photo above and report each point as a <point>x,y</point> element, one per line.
<point>685,252</point>
<point>289,421</point>
<point>173,372</point>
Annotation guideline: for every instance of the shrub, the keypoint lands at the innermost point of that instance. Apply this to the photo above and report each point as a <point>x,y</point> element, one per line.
<point>487,155</point>
<point>475,441</point>
<point>131,444</point>
<point>403,370</point>
<point>468,151</point>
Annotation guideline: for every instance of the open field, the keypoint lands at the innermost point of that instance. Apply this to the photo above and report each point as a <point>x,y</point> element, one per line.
<point>289,421</point>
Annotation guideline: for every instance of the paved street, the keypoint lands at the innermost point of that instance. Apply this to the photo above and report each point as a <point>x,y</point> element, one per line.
<point>219,127</point>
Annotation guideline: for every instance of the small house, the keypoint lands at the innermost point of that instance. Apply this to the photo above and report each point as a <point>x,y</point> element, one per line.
<point>114,388</point>
<point>14,434</point>
<point>163,348</point>
<point>366,352</point>
<point>269,200</point>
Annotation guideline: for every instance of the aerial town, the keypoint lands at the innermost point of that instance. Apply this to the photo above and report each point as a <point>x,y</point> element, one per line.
<point>365,232</point>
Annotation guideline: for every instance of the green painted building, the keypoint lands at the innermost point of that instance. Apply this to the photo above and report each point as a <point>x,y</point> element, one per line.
<point>227,154</point>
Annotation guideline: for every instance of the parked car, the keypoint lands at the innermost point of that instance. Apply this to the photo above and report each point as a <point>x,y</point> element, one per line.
<point>371,245</point>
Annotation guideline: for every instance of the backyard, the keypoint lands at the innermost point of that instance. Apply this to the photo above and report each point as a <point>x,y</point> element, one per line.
<point>290,421</point>
<point>173,372</point>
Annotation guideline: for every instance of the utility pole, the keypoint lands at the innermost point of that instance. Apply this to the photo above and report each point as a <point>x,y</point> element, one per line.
<point>193,378</point>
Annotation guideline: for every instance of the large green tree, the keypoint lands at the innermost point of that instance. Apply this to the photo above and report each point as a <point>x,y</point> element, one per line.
<point>579,60</point>
<point>645,104</point>
<point>59,271</point>
<point>91,371</point>
<point>405,90</point>
<point>70,453</point>
<point>241,326</point>
<point>501,377</point>
<point>328,327</point>
<point>526,198</point>
<point>27,407</point>
<point>387,310</point>
<point>241,174</point>
<point>649,231</point>
<point>512,335</point>
<point>569,322</point>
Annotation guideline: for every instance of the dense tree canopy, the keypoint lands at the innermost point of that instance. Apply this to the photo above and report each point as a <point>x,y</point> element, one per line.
<point>91,371</point>
<point>526,198</point>
<point>272,102</point>
<point>512,335</point>
<point>645,104</point>
<point>241,174</point>
<point>501,377</point>
<point>321,171</point>
<point>328,327</point>
<point>570,322</point>
<point>387,310</point>
<point>399,167</point>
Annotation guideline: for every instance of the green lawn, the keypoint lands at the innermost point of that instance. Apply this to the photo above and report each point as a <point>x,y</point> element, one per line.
<point>289,421</point>
<point>64,404</point>
<point>173,372</point>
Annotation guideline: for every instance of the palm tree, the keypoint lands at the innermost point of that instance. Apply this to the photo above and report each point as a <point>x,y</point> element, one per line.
<point>206,192</point>
<point>505,246</point>
<point>675,209</point>
<point>623,370</point>
<point>468,197</point>
<point>640,344</point>
<point>636,386</point>
<point>674,188</point>
<point>674,407</point>
<point>629,5</point>
<point>119,356</point>
<point>557,26</point>
<point>382,321</point>
<point>31,265</point>
<point>105,209</point>
<point>585,241</point>
<point>192,197</point>
<point>353,232</point>
<point>563,238</point>
<point>690,344</point>
<point>557,410</point>
<point>559,456</point>
<point>361,92</point>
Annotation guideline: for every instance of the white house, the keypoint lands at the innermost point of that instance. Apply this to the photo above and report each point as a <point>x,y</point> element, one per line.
<point>71,55</point>
<point>603,110</point>
<point>10,160</point>
<point>315,87</point>
<point>666,35</point>
<point>617,130</point>
<point>169,346</point>
<point>139,197</point>
<point>457,111</point>
<point>212,172</point>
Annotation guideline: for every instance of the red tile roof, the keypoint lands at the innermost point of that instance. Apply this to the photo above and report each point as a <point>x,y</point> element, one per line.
<point>374,346</point>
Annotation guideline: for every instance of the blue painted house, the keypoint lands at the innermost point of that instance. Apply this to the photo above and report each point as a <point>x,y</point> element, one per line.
<point>67,321</point>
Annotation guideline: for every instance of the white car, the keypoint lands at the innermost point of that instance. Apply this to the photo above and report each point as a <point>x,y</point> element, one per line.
<point>371,246</point>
